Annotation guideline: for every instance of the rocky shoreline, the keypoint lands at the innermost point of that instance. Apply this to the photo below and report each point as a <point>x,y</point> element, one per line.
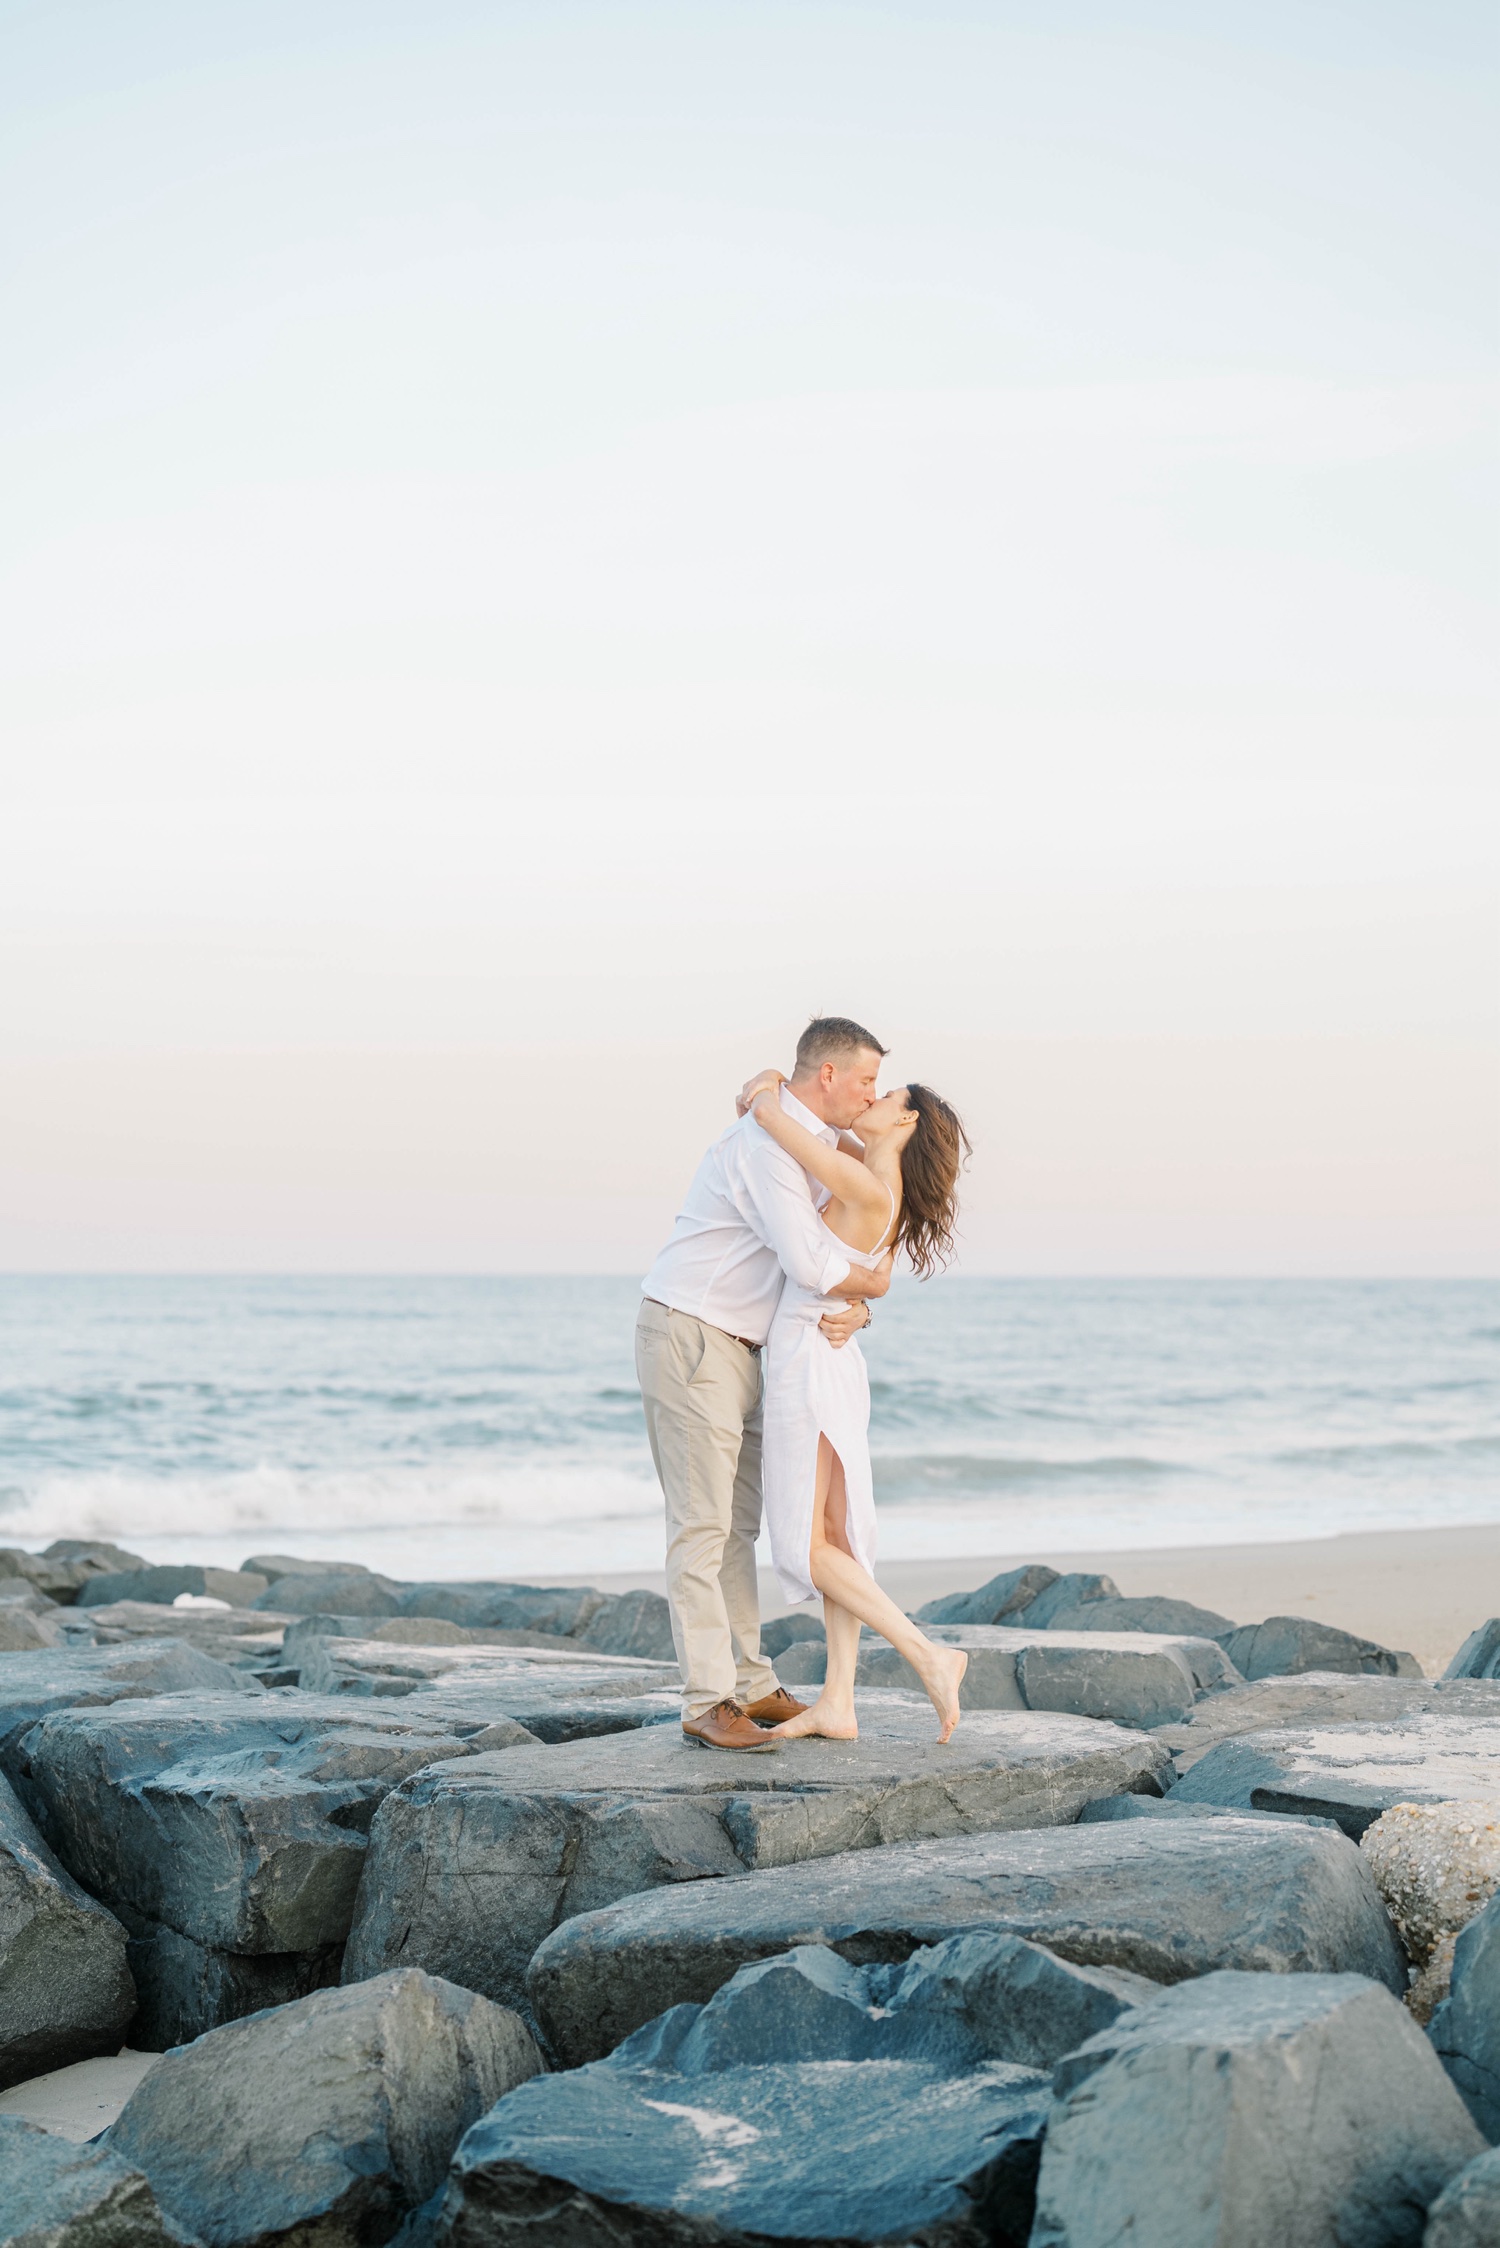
<point>1190,1935</point>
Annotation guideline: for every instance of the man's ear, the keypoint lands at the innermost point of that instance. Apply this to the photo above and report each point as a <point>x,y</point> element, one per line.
<point>826,1075</point>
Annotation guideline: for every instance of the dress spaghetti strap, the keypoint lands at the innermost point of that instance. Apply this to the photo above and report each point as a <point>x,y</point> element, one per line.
<point>890,1221</point>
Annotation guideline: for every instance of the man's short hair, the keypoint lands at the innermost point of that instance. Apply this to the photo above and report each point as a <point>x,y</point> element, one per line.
<point>834,1038</point>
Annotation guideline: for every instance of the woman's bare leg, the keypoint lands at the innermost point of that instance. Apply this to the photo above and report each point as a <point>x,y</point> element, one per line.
<point>851,1591</point>
<point>838,1576</point>
<point>832,1714</point>
<point>843,1655</point>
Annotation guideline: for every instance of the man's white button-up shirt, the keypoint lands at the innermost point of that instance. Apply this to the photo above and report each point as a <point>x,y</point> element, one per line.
<point>750,1220</point>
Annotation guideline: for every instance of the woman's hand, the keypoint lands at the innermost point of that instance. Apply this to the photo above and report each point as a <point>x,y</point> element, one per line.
<point>766,1081</point>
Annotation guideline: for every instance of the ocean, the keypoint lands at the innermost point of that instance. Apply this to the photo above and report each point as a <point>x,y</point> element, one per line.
<point>491,1427</point>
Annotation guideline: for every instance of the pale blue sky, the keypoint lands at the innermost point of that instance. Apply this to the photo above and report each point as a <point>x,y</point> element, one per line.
<point>542,542</point>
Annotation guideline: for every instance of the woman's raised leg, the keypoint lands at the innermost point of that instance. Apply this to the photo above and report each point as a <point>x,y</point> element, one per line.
<point>848,1588</point>
<point>838,1576</point>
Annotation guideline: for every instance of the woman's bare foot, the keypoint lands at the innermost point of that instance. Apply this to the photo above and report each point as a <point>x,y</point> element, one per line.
<point>942,1673</point>
<point>823,1718</point>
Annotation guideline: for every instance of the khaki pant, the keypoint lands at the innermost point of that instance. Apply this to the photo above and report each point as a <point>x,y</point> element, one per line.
<point>702,1396</point>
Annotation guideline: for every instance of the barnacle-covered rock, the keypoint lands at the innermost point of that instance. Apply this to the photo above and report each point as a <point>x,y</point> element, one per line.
<point>1435,1864</point>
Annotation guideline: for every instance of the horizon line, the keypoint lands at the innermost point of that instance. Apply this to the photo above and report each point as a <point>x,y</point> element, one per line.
<point>233,1272</point>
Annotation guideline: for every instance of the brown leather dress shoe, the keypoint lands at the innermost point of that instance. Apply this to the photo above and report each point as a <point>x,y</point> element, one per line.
<point>775,1709</point>
<point>726,1726</point>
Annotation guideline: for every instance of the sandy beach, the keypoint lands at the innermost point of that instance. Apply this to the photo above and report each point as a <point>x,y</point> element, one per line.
<point>1422,1590</point>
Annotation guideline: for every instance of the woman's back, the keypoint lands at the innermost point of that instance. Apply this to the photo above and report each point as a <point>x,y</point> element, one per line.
<point>848,1226</point>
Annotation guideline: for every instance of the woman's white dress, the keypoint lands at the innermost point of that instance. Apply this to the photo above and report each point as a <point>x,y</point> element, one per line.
<point>812,1390</point>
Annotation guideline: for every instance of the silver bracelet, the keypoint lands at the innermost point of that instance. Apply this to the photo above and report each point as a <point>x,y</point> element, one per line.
<point>869,1317</point>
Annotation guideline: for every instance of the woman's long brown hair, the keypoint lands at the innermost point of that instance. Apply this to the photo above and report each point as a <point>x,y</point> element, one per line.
<point>930,1163</point>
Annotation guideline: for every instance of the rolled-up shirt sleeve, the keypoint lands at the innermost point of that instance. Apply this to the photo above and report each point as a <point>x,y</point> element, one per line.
<point>771,1194</point>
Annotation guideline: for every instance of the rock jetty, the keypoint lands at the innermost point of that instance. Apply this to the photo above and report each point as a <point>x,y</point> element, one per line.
<point>455,1940</point>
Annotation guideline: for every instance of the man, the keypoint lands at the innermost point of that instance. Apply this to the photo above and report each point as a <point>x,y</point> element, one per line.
<point>749,1221</point>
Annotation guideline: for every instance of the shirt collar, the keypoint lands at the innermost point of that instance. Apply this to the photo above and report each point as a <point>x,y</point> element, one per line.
<point>800,1114</point>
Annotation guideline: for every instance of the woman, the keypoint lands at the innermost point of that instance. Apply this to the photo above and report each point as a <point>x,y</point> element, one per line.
<point>897,1191</point>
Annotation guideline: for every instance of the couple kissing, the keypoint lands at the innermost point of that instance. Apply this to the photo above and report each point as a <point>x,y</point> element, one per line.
<point>756,1394</point>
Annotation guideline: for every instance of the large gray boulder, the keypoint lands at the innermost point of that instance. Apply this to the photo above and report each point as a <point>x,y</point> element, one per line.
<point>1166,1899</point>
<point>991,1995</point>
<point>984,1996</point>
<point>1319,1698</point>
<point>23,1630</point>
<point>302,1634</point>
<point>631,1623</point>
<point>788,1631</point>
<point>1479,1656</point>
<point>327,2120</point>
<point>186,1988</point>
<point>996,1602</point>
<point>1066,1593</point>
<point>227,1833</point>
<point>666,2156</point>
<point>1284,1645</point>
<point>1127,1677</point>
<point>65,1990</point>
<point>15,1592</point>
<point>557,1693</point>
<point>1466,2214</point>
<point>58,2195</point>
<point>239,1821</point>
<point>1106,1677</point>
<point>391,1662</point>
<point>245,1638</point>
<point>163,1585</point>
<point>468,1874</point>
<point>33,1686</point>
<point>564,1609</point>
<point>1251,2111</point>
<point>274,1565</point>
<point>67,1565</point>
<point>1352,1773</point>
<point>1153,1611</point>
<point>1466,2027</point>
<point>94,1554</point>
<point>341,1592</point>
<point>1035,1596</point>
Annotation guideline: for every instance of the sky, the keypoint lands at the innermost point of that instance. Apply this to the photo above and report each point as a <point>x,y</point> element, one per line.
<point>545,543</point>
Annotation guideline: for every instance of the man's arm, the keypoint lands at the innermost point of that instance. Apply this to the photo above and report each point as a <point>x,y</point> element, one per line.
<point>864,1284</point>
<point>840,1327</point>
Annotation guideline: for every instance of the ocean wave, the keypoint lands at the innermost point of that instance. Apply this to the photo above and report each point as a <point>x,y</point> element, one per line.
<point>1391,1451</point>
<point>270,1500</point>
<point>944,1474</point>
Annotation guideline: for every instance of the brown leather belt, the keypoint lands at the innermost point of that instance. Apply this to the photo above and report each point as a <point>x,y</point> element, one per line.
<point>743,1340</point>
